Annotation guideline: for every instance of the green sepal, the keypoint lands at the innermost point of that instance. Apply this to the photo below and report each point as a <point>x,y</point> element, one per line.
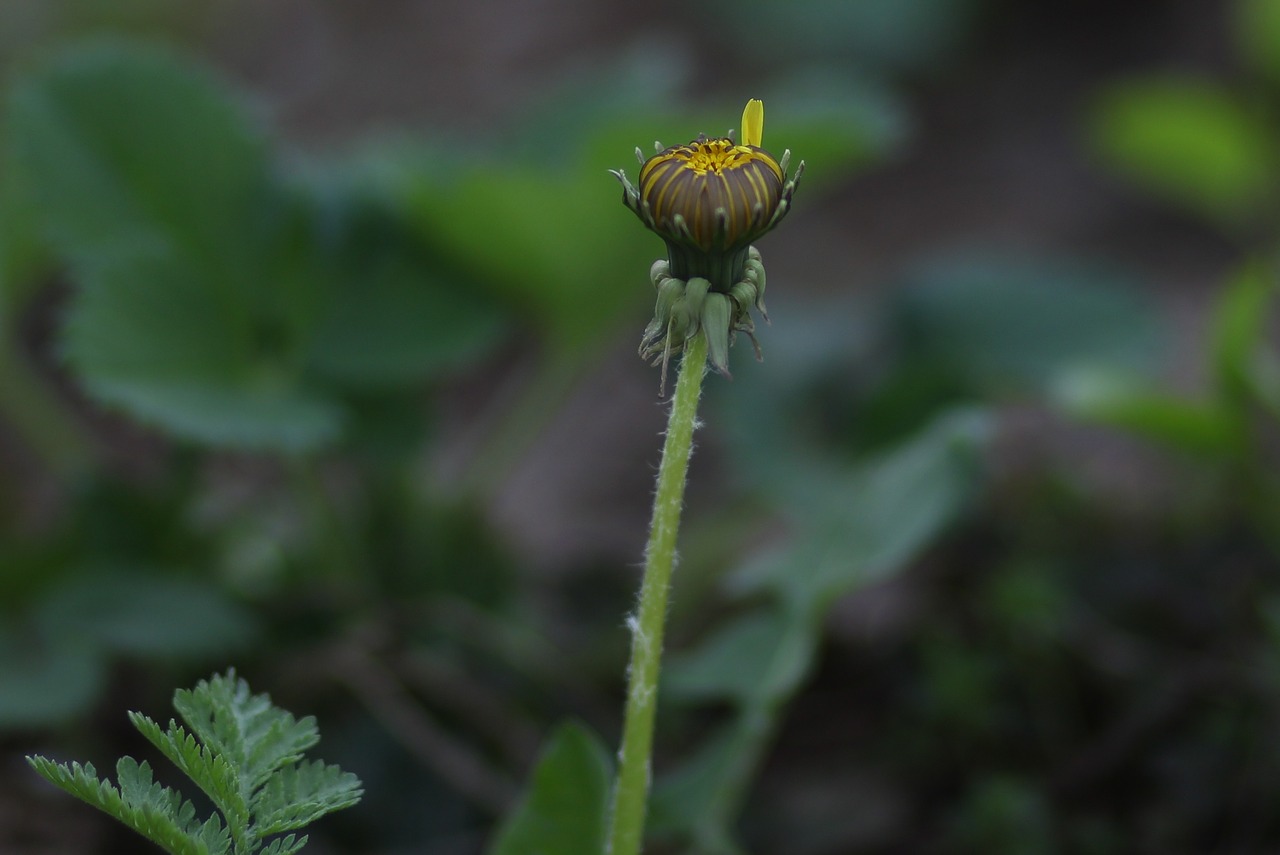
<point>744,297</point>
<point>695,295</point>
<point>717,317</point>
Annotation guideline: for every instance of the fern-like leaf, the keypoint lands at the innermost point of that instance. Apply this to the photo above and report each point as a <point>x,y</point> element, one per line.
<point>243,752</point>
<point>299,795</point>
<point>156,812</point>
<point>256,736</point>
<point>211,772</point>
<point>285,845</point>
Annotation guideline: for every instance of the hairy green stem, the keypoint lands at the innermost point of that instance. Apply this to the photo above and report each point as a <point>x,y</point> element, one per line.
<point>631,791</point>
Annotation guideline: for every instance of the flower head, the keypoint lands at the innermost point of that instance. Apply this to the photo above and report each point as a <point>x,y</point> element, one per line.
<point>711,195</point>
<point>709,200</point>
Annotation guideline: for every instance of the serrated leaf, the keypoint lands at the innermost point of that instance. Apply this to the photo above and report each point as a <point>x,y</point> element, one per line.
<point>565,807</point>
<point>1190,141</point>
<point>256,736</point>
<point>285,845</point>
<point>212,773</point>
<point>244,735</point>
<point>153,811</point>
<point>299,795</point>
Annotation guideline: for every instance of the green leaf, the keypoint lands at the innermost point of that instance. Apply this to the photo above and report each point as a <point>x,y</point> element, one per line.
<point>559,246</point>
<point>212,773</point>
<point>565,808</point>
<point>124,147</point>
<point>154,183</point>
<point>22,254</point>
<point>854,528</point>
<point>1007,325</point>
<point>1240,328</point>
<point>1258,34</point>
<point>836,123</point>
<point>180,351</point>
<point>144,614</point>
<point>754,658</point>
<point>247,766</point>
<point>46,682</point>
<point>1189,141</point>
<point>258,737</point>
<point>157,813</point>
<point>689,802</point>
<point>887,35</point>
<point>1192,427</point>
<point>297,796</point>
<point>396,314</point>
<point>286,845</point>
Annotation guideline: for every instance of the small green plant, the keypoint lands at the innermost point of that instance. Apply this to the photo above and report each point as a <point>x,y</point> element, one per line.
<point>243,752</point>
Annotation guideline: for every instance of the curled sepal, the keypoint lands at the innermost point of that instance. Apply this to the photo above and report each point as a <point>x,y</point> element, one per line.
<point>685,308</point>
<point>695,295</point>
<point>717,321</point>
<point>754,273</point>
<point>670,292</point>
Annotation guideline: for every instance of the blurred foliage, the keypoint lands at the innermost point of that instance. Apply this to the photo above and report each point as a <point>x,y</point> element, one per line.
<point>889,36</point>
<point>881,642</point>
<point>1191,140</point>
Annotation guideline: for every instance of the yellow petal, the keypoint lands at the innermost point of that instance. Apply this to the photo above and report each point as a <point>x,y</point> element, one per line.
<point>753,122</point>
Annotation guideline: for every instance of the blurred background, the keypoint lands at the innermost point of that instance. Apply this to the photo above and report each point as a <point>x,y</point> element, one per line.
<point>317,358</point>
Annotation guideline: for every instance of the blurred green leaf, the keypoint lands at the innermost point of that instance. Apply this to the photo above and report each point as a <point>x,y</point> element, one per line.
<point>1241,323</point>
<point>688,802</point>
<point>1008,325</point>
<point>45,683</point>
<point>836,123</point>
<point>1191,427</point>
<point>565,808</point>
<point>122,147</point>
<point>1258,34</point>
<point>152,615</point>
<point>146,336</point>
<point>396,315</point>
<point>1026,600</point>
<point>853,528</point>
<point>757,656</point>
<point>148,176</point>
<point>559,245</point>
<point>1190,141</point>
<point>1003,815</point>
<point>22,254</point>
<point>888,35</point>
